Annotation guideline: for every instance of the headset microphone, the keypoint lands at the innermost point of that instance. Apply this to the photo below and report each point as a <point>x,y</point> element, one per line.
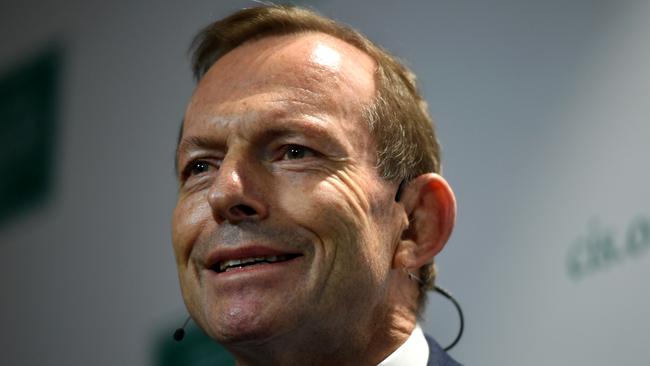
<point>179,333</point>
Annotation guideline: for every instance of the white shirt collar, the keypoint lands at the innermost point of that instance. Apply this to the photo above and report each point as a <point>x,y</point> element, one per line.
<point>414,352</point>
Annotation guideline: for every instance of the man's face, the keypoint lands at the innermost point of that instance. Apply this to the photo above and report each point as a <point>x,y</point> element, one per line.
<point>277,170</point>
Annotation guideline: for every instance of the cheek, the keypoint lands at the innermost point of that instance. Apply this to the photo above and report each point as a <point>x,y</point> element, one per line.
<point>320,205</point>
<point>337,208</point>
<point>187,222</point>
<point>366,206</point>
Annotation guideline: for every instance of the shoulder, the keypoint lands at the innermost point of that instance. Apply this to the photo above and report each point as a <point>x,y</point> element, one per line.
<point>438,356</point>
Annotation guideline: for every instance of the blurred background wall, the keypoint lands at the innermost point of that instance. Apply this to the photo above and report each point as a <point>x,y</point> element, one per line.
<point>543,110</point>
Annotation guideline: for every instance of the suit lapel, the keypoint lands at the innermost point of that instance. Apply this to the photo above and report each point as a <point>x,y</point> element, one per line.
<point>437,356</point>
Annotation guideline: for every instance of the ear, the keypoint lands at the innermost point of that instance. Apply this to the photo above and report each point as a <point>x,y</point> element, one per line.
<point>430,205</point>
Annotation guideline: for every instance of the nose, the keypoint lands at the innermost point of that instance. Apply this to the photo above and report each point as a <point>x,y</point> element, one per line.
<point>236,195</point>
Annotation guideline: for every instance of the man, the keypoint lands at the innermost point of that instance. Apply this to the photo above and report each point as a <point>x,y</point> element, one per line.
<point>309,208</point>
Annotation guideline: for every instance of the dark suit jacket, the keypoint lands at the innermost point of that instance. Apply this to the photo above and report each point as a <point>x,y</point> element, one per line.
<point>438,356</point>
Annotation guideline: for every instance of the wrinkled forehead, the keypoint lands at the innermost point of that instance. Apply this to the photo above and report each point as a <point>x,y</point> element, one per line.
<point>313,67</point>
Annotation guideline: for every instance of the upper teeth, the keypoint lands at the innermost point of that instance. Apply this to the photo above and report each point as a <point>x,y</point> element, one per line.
<point>238,262</point>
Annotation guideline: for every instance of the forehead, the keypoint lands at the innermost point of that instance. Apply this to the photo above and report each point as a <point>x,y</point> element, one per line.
<point>312,70</point>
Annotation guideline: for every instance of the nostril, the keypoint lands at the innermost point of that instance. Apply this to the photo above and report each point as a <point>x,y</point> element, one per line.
<point>243,210</point>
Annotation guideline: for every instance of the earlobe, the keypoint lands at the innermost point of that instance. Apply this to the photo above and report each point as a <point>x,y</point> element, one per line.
<point>430,205</point>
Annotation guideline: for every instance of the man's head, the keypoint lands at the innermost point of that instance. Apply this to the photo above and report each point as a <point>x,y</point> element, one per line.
<point>294,146</point>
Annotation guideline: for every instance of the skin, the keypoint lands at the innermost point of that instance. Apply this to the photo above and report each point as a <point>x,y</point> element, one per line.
<point>274,153</point>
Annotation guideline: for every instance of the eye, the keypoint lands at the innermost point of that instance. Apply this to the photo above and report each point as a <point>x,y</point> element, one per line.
<point>195,168</point>
<point>294,152</point>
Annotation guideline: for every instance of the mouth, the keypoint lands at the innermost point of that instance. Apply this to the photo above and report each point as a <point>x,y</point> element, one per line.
<point>235,264</point>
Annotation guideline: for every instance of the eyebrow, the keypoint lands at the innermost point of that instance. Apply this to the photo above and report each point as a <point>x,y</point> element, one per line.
<point>318,132</point>
<point>193,143</point>
<point>296,127</point>
<point>283,128</point>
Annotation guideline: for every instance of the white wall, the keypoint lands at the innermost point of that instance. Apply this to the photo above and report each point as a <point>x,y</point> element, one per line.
<point>543,115</point>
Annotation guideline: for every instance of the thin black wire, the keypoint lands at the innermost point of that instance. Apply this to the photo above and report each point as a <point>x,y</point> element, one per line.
<point>446,294</point>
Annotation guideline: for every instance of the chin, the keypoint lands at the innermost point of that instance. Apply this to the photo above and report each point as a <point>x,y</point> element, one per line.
<point>245,325</point>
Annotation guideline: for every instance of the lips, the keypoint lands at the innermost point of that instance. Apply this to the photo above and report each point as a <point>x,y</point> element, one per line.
<point>225,266</point>
<point>227,260</point>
